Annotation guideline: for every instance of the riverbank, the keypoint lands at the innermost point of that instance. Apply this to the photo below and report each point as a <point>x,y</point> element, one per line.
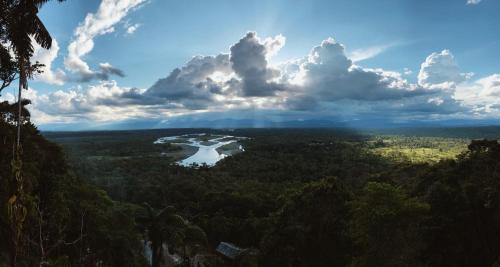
<point>209,148</point>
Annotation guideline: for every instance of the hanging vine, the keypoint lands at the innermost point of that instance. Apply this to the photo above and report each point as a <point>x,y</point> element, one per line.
<point>16,207</point>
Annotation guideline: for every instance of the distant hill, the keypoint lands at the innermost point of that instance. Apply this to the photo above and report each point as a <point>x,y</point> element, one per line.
<point>215,121</point>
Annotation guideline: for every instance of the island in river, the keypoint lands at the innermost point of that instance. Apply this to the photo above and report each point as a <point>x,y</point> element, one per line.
<point>208,149</point>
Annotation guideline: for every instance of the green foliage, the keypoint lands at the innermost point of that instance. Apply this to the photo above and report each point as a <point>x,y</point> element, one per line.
<point>310,230</point>
<point>8,67</point>
<point>459,132</point>
<point>109,231</point>
<point>68,220</point>
<point>422,210</point>
<point>387,226</point>
<point>464,195</point>
<point>417,149</point>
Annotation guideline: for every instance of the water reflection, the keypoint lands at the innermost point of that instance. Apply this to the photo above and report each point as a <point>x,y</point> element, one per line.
<point>207,150</point>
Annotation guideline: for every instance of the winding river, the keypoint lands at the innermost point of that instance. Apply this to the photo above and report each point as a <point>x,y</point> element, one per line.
<point>207,151</point>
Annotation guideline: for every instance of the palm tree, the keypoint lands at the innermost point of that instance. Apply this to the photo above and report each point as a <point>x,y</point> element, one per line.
<point>19,23</point>
<point>163,225</point>
<point>168,226</point>
<point>194,240</point>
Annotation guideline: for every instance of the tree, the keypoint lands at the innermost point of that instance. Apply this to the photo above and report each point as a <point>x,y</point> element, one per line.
<point>8,68</point>
<point>168,226</point>
<point>19,22</point>
<point>193,240</point>
<point>161,225</point>
<point>312,228</point>
<point>8,112</point>
<point>464,195</point>
<point>386,226</point>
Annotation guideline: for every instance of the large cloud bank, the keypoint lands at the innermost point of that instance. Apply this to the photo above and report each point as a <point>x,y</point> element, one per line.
<point>324,83</point>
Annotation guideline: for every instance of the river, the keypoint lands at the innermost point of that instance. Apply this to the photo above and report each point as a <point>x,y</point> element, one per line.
<point>207,151</point>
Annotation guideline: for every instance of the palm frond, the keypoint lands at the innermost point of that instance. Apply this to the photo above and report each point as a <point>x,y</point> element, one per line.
<point>175,221</point>
<point>166,211</point>
<point>40,33</point>
<point>40,3</point>
<point>196,235</point>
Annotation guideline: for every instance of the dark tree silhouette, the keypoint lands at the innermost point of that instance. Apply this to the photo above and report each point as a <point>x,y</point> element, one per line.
<point>8,68</point>
<point>168,226</point>
<point>19,23</point>
<point>156,226</point>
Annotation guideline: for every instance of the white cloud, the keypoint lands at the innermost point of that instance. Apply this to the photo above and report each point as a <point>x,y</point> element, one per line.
<point>130,29</point>
<point>46,57</point>
<point>109,13</point>
<point>367,53</point>
<point>196,84</point>
<point>328,74</point>
<point>324,82</point>
<point>440,70</point>
<point>105,101</point>
<point>482,94</point>
<point>473,2</point>
<point>490,85</point>
<point>273,45</point>
<point>407,71</point>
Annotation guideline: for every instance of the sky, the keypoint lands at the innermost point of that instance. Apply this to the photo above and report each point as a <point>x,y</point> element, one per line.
<point>165,63</point>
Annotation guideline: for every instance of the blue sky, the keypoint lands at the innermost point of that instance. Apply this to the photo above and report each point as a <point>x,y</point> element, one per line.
<point>372,65</point>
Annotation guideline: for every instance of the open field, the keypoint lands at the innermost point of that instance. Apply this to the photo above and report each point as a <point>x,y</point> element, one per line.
<point>417,148</point>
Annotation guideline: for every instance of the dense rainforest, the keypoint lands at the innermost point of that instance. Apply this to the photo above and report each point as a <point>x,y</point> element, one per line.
<point>67,222</point>
<point>48,216</point>
<point>311,197</point>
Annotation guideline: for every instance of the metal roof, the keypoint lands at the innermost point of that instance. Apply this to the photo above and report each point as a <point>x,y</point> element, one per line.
<point>229,250</point>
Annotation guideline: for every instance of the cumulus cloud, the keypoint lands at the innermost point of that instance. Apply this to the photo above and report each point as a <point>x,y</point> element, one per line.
<point>328,74</point>
<point>482,95</point>
<point>196,84</point>
<point>273,45</point>
<point>490,86</point>
<point>324,83</point>
<point>105,101</point>
<point>46,57</point>
<point>440,70</point>
<point>204,80</point>
<point>109,13</point>
<point>249,62</point>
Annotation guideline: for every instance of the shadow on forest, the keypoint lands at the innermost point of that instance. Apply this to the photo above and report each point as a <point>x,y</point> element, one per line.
<point>307,197</point>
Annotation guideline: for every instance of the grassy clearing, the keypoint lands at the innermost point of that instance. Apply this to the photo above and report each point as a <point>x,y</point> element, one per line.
<point>417,149</point>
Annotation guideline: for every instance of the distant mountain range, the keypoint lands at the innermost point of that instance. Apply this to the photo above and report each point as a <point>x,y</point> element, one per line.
<point>224,123</point>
